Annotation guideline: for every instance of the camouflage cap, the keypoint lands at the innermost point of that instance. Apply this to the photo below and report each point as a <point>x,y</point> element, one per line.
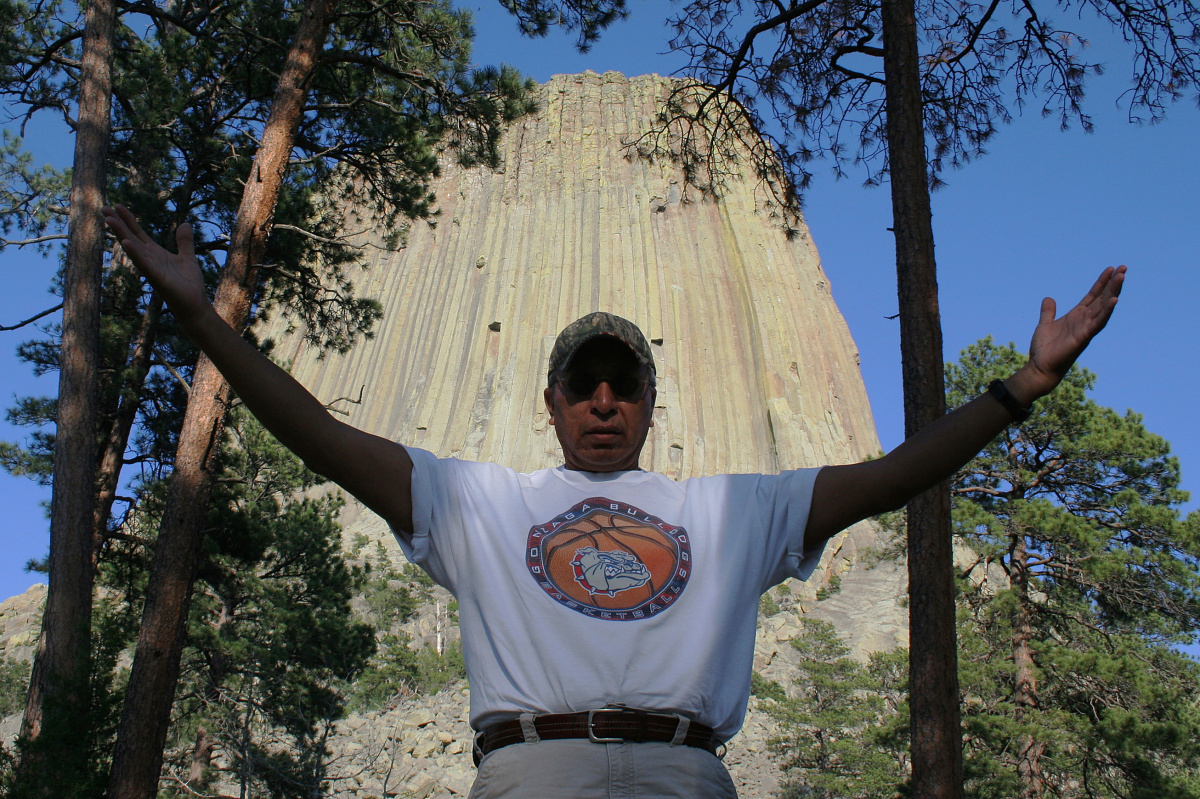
<point>600,323</point>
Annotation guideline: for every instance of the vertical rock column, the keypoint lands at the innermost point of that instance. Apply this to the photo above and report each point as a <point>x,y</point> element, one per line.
<point>757,370</point>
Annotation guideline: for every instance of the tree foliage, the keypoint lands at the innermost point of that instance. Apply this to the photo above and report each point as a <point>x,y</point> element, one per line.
<point>394,90</point>
<point>272,642</point>
<point>1116,716</point>
<point>14,677</point>
<point>31,197</point>
<point>272,639</point>
<point>1094,499</point>
<point>586,18</point>
<point>842,723</point>
<point>1086,576</point>
<point>786,83</point>
<point>1081,581</point>
<point>809,74</point>
<point>391,95</point>
<point>402,667</point>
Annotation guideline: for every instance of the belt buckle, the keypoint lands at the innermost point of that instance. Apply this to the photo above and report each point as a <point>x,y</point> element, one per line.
<point>591,730</point>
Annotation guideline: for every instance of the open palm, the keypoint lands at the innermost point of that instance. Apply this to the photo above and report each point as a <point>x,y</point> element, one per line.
<point>176,276</point>
<point>1058,342</point>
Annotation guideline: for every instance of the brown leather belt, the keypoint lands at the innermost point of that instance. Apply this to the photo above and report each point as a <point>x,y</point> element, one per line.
<point>603,725</point>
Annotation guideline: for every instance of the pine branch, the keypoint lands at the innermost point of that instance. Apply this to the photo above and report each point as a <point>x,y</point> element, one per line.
<point>159,360</point>
<point>32,319</point>
<point>36,240</point>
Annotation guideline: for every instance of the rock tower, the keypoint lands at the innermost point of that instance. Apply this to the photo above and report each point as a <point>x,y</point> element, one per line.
<point>757,372</point>
<point>757,369</point>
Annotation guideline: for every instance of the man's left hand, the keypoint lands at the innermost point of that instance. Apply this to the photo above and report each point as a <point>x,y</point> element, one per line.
<point>1058,342</point>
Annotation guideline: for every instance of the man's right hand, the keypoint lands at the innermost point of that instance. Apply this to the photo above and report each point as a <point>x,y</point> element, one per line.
<point>374,469</point>
<point>176,276</point>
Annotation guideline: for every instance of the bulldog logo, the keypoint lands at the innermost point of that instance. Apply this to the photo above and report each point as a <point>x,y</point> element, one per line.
<point>608,572</point>
<point>610,560</point>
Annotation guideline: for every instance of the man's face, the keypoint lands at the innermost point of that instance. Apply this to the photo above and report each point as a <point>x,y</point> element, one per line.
<point>601,407</point>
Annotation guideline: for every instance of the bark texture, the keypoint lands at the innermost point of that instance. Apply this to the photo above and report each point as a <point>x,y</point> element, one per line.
<point>1025,696</point>
<point>933,660</point>
<point>201,757</point>
<point>141,736</point>
<point>59,678</point>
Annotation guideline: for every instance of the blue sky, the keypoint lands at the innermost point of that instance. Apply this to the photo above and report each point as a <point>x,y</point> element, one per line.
<point>1040,215</point>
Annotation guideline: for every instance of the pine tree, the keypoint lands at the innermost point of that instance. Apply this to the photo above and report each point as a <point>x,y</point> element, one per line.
<point>902,88</point>
<point>1083,581</point>
<point>52,755</point>
<point>391,88</point>
<point>272,641</point>
<point>841,726</point>
<point>1072,686</point>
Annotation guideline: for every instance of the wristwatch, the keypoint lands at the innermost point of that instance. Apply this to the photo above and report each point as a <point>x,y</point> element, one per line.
<point>1011,404</point>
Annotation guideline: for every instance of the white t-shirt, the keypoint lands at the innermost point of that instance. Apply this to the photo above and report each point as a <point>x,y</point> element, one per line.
<point>579,589</point>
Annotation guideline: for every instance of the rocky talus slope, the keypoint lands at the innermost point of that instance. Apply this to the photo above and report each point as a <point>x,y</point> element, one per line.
<point>20,620</point>
<point>421,746</point>
<point>423,749</point>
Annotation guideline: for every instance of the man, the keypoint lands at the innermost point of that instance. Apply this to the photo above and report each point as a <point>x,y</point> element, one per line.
<point>607,613</point>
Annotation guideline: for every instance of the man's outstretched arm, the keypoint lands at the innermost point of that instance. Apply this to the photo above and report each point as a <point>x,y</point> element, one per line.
<point>844,495</point>
<point>375,470</point>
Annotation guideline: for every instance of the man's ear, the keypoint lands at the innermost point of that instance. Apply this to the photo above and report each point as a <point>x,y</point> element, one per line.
<point>653,400</point>
<point>548,397</point>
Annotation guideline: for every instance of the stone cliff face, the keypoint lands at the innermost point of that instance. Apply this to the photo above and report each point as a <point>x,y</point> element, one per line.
<point>757,370</point>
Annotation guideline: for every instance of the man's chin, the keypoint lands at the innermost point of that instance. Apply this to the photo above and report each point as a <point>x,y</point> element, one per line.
<point>603,460</point>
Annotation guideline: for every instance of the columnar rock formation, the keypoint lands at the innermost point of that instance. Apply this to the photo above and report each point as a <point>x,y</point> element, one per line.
<point>757,370</point>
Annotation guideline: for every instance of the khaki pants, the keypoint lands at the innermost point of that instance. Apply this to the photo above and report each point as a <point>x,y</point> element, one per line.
<point>580,769</point>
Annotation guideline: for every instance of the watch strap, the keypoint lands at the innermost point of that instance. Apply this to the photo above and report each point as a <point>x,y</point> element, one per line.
<point>1011,404</point>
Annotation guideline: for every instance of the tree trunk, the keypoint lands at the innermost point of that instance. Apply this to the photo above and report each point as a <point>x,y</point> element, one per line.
<point>201,759</point>
<point>113,457</point>
<point>439,628</point>
<point>137,758</point>
<point>933,662</point>
<point>1025,696</point>
<point>57,703</point>
<point>120,408</point>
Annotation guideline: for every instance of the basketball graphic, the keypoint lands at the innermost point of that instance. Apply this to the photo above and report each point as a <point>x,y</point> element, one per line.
<point>610,560</point>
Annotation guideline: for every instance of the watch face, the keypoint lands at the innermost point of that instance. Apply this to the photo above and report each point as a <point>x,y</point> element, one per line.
<point>610,560</point>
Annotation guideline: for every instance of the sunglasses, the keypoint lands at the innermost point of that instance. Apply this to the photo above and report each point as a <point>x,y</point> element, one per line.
<point>627,386</point>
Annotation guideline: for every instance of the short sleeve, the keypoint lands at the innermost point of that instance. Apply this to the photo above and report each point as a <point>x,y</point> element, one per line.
<point>790,498</point>
<point>434,495</point>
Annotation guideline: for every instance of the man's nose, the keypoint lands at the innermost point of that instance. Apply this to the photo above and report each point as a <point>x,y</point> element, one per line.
<point>604,400</point>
